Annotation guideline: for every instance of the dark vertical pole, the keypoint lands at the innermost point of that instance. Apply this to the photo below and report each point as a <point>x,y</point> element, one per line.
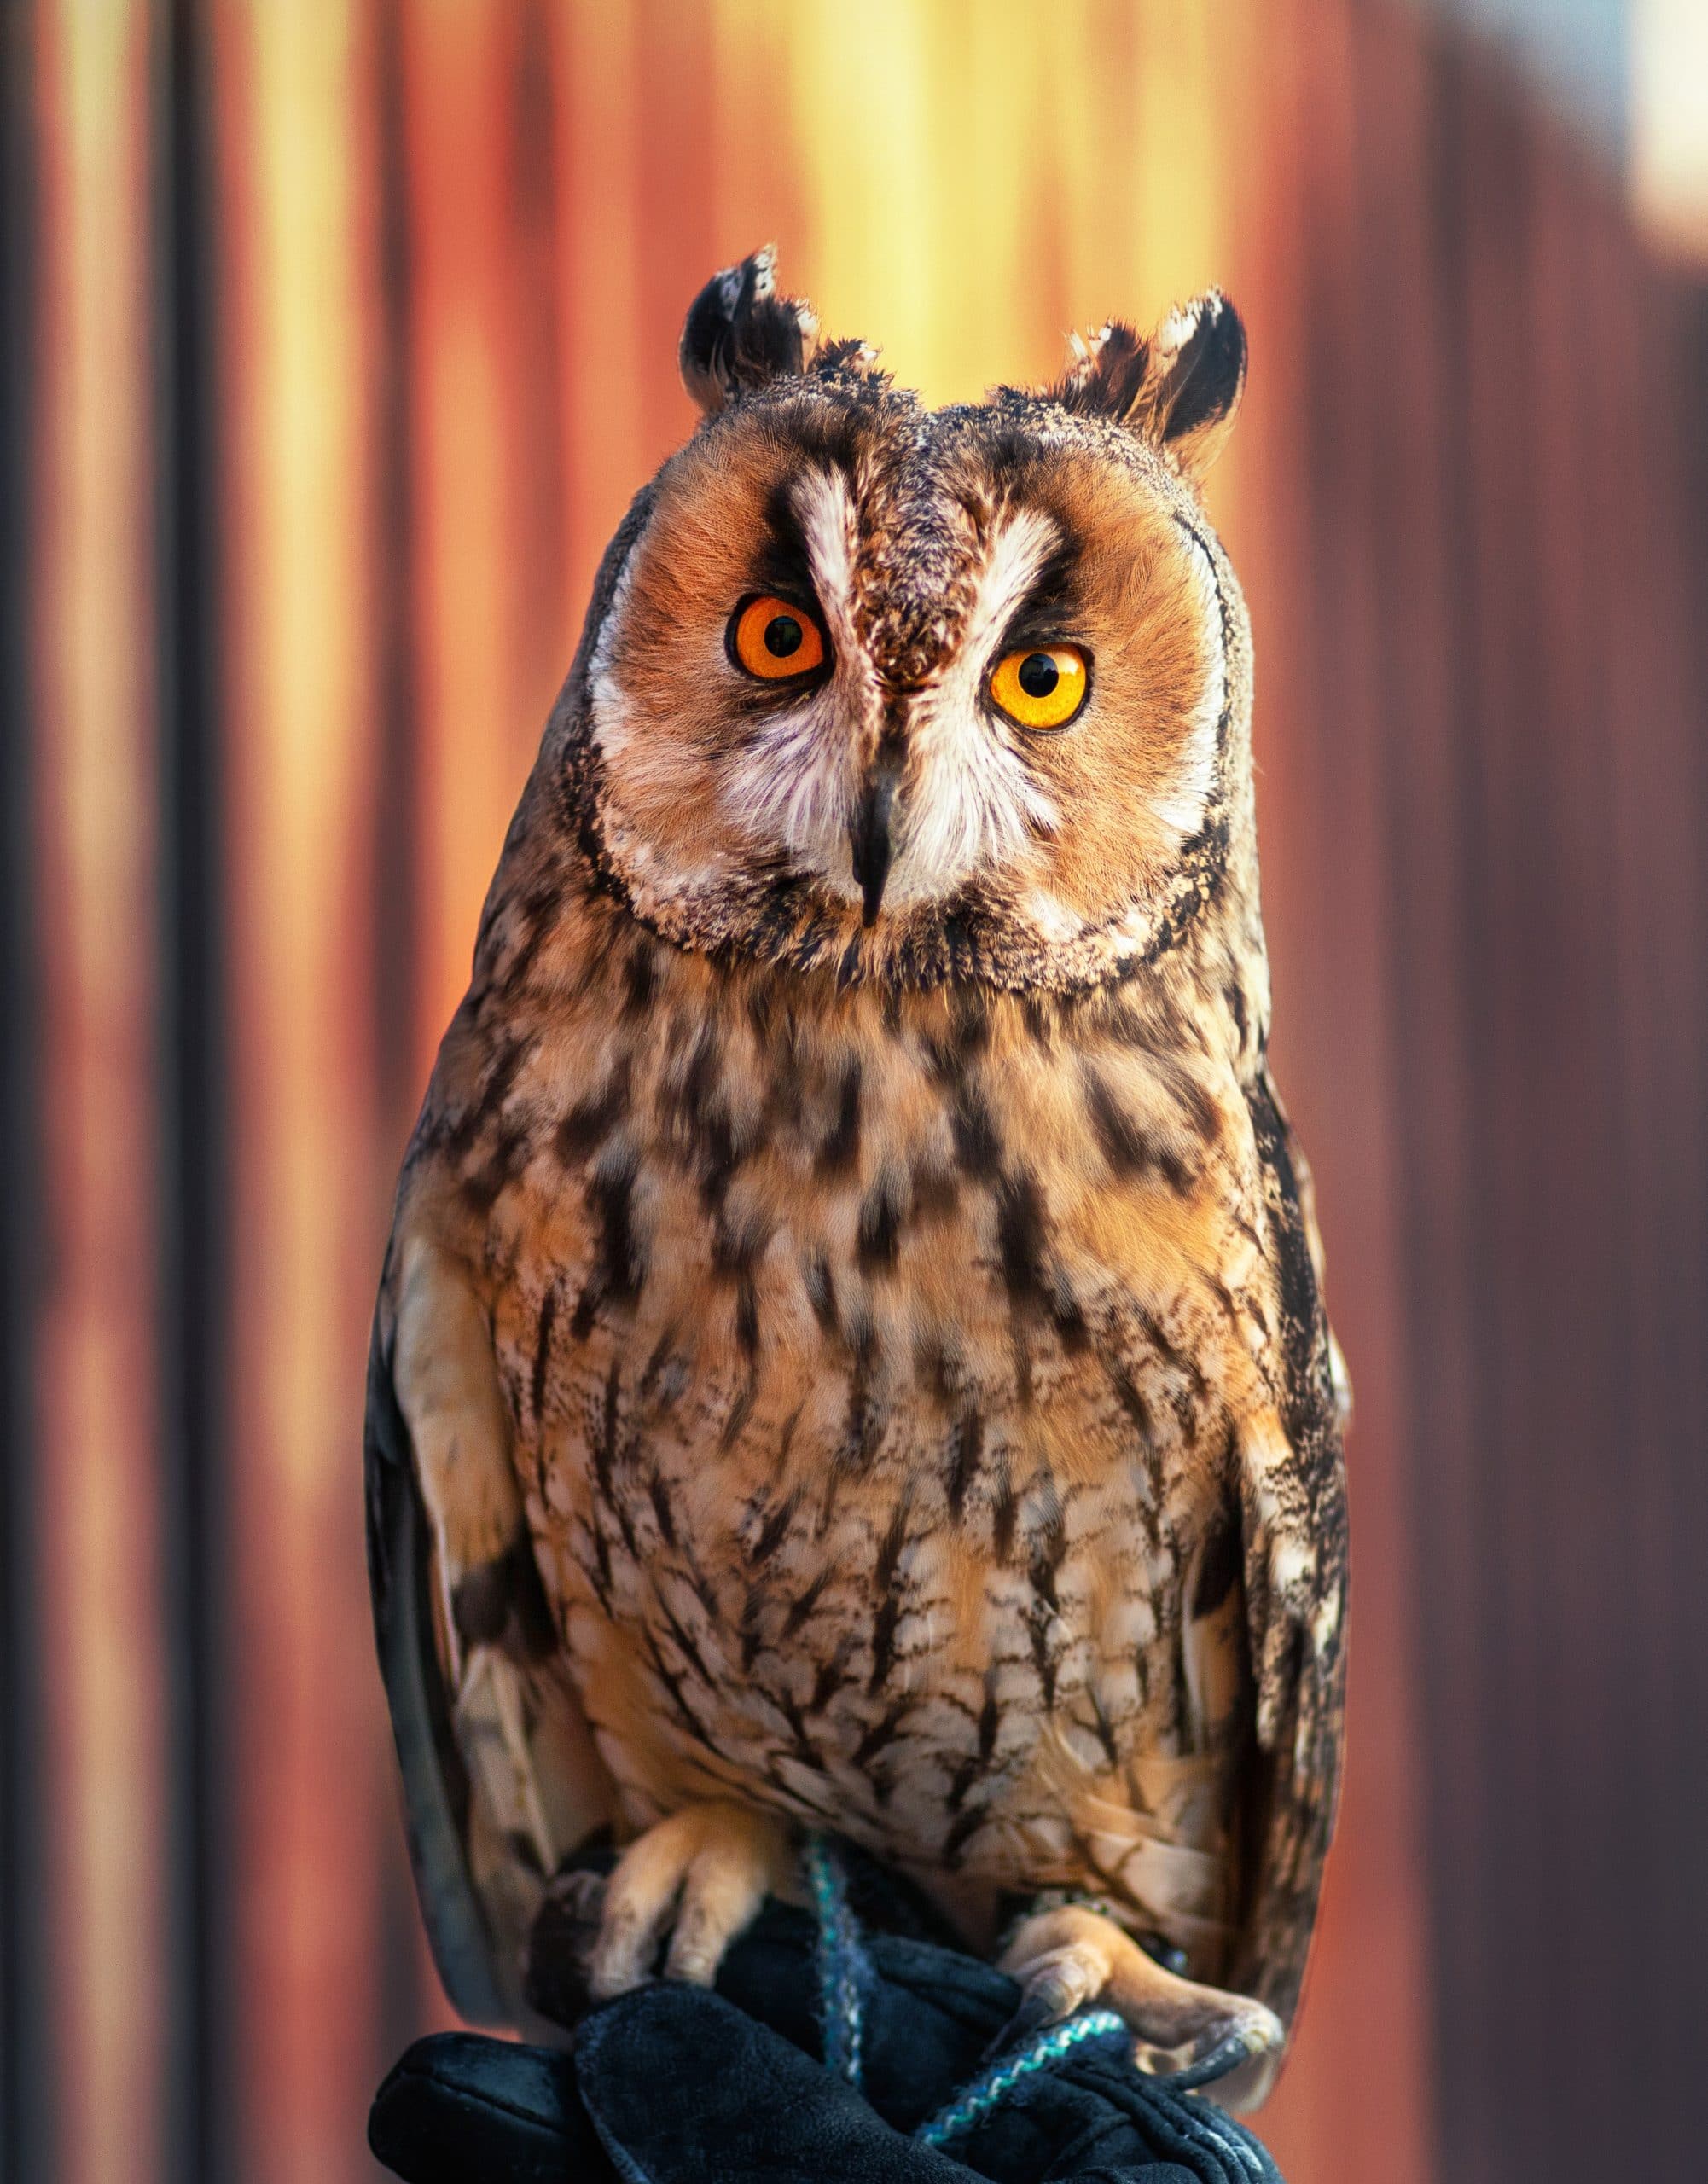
<point>26,2149</point>
<point>196,1328</point>
<point>397,819</point>
<point>1436,967</point>
<point>395,999</point>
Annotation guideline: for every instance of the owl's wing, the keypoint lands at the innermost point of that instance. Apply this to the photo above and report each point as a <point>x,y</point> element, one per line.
<point>1293,1503</point>
<point>500,1780</point>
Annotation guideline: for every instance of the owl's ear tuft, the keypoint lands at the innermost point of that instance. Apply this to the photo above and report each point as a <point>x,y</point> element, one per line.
<point>1179,389</point>
<point>740,334</point>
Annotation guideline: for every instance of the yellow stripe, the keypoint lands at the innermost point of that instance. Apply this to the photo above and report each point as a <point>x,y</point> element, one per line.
<point>977,178</point>
<point>312,1755</point>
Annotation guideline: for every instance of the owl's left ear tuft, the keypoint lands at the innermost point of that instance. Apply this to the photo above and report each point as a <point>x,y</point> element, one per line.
<point>740,334</point>
<point>1179,389</point>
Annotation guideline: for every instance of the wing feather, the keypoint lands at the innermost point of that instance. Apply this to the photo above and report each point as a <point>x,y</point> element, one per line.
<point>1293,1489</point>
<point>500,1780</point>
<point>436,1793</point>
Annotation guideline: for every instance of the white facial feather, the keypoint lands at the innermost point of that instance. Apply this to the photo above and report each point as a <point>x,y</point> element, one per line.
<point>975,804</point>
<point>796,784</point>
<point>972,806</point>
<point>1183,810</point>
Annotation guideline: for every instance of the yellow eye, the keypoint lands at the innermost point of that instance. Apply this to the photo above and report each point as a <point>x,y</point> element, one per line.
<point>1044,688</point>
<point>773,640</point>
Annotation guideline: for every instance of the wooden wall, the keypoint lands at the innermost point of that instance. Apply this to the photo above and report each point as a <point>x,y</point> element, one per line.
<point>334,338</point>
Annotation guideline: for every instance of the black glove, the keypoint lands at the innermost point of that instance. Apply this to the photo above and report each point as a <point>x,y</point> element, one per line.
<point>673,2085</point>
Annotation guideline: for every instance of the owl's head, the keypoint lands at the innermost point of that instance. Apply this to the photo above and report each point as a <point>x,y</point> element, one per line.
<point>927,694</point>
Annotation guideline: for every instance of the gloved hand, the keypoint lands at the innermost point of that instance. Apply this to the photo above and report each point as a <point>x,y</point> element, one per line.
<point>674,2085</point>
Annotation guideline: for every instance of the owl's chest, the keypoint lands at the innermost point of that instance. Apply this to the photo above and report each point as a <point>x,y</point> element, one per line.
<point>870,1393</point>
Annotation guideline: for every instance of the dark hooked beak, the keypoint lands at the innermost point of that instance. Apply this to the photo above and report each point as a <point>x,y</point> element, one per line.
<point>869,835</point>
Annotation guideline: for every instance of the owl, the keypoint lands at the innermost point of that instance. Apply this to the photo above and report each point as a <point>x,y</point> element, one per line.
<point>851,1353</point>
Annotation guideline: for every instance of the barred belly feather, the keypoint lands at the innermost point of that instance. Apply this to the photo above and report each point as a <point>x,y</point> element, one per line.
<point>874,1448</point>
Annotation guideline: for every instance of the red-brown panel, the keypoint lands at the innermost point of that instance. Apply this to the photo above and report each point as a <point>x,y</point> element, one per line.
<point>1352,2101</point>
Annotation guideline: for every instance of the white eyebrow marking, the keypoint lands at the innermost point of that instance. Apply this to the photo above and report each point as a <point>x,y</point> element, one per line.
<point>825,509</point>
<point>796,781</point>
<point>976,803</point>
<point>1183,810</point>
<point>1018,554</point>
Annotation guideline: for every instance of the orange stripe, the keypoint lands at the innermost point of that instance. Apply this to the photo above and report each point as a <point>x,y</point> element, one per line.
<point>312,1755</point>
<point>601,243</point>
<point>669,153</point>
<point>754,171</point>
<point>476,741</point>
<point>100,1566</point>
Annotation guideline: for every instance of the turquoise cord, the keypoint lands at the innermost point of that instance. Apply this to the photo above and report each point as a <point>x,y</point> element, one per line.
<point>975,2103</point>
<point>841,1960</point>
<point>845,1972</point>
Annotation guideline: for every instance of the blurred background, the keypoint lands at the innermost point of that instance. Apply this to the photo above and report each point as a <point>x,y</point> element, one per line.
<point>335,335</point>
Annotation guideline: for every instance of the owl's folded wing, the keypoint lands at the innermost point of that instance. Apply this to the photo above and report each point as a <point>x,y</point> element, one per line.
<point>500,1777</point>
<point>1292,1490</point>
<point>1292,1784</point>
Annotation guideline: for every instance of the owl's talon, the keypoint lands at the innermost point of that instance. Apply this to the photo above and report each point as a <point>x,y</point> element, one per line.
<point>1067,1958</point>
<point>1226,2055</point>
<point>704,1872</point>
<point>1053,1988</point>
<point>1057,1984</point>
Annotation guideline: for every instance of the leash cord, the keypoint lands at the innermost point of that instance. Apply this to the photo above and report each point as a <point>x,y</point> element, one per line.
<point>845,1978</point>
<point>845,1970</point>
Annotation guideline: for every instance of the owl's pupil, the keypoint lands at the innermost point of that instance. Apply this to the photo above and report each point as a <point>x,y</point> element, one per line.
<point>783,636</point>
<point>1038,675</point>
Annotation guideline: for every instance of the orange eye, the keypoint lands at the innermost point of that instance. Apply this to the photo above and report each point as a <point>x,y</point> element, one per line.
<point>1044,688</point>
<point>775,640</point>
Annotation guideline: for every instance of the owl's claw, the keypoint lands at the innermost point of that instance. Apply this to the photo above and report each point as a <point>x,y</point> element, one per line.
<point>703,1872</point>
<point>1053,1987</point>
<point>1067,1958</point>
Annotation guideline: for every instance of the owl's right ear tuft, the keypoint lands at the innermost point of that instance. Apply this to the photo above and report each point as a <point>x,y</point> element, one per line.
<point>740,335</point>
<point>1178,389</point>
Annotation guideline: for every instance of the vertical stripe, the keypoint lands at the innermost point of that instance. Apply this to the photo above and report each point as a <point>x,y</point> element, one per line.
<point>1183,159</point>
<point>398,819</point>
<point>672,46</point>
<point>192,1251</point>
<point>752,173</point>
<point>599,108</point>
<point>99,1543</point>
<point>26,1927</point>
<point>870,218</point>
<point>310,1743</point>
<point>1658,804</point>
<point>989,81</point>
<point>1079,268</point>
<point>544,634</point>
<point>476,741</point>
<point>1352,2098</point>
<point>1574,1185</point>
<point>408,1992</point>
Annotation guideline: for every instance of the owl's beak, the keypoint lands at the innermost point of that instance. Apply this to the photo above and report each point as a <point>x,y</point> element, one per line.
<point>869,835</point>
